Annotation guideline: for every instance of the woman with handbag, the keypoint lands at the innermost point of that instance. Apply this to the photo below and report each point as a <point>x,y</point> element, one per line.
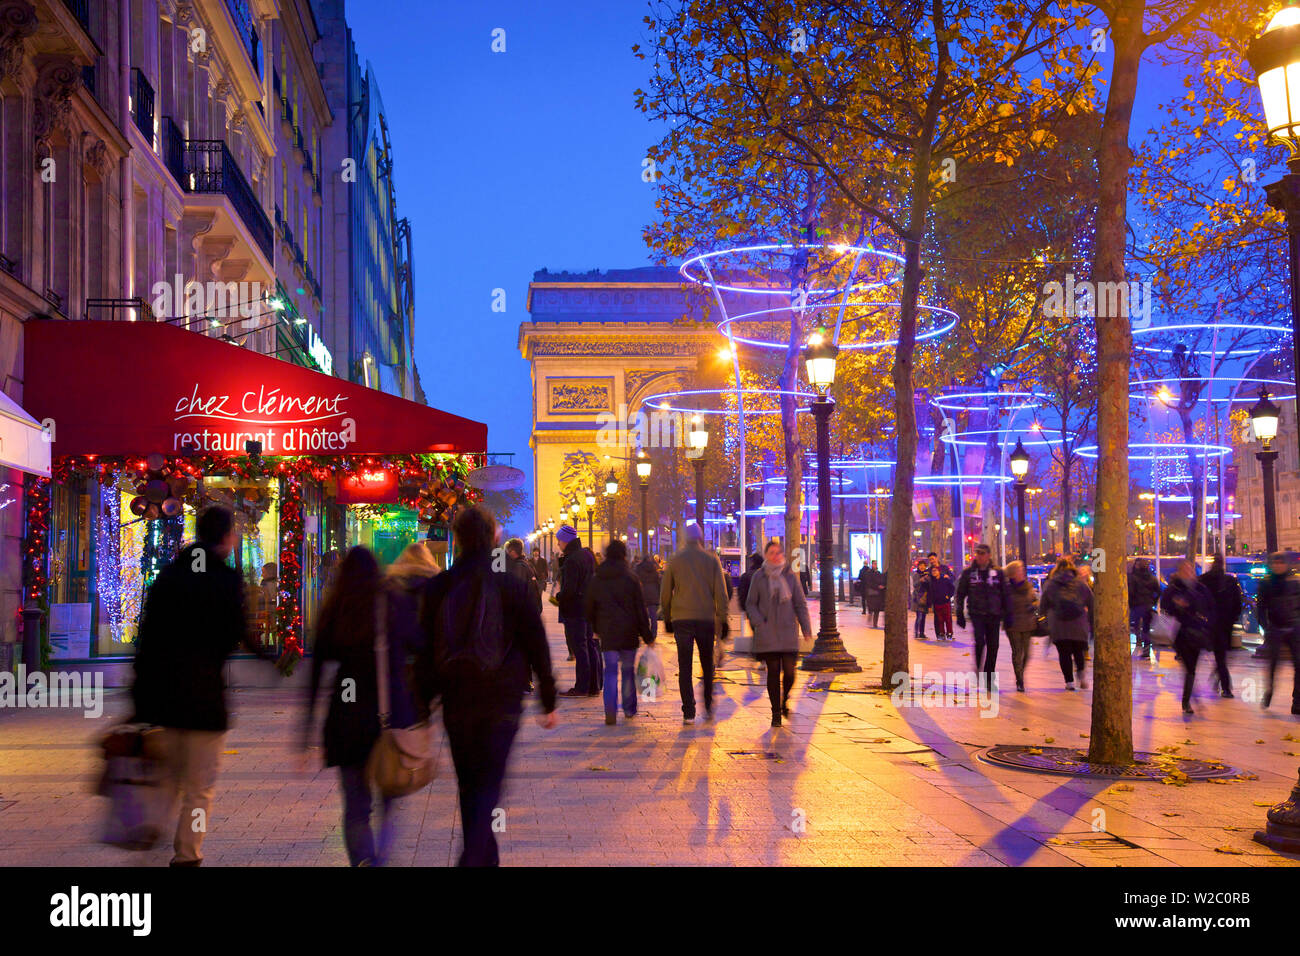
<point>778,611</point>
<point>1190,604</point>
<point>362,618</point>
<point>1022,617</point>
<point>1068,603</point>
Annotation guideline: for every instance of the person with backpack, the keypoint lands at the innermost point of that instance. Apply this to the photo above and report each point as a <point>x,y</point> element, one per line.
<point>1278,609</point>
<point>693,599</point>
<point>346,632</point>
<point>648,573</point>
<point>1067,601</point>
<point>615,606</point>
<point>872,583</point>
<point>484,638</point>
<point>1225,594</point>
<point>1189,602</point>
<point>982,595</point>
<point>1143,593</point>
<point>938,597</point>
<point>778,610</point>
<point>1021,618</point>
<point>523,570</point>
<point>194,618</point>
<point>576,569</point>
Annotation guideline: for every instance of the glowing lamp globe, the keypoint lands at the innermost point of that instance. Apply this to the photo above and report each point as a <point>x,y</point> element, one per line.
<point>1019,460</point>
<point>699,434</point>
<point>611,484</point>
<point>1264,415</point>
<point>642,466</point>
<point>1275,58</point>
<point>819,361</point>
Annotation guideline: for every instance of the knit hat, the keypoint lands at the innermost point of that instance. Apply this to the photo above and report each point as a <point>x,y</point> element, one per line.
<point>694,533</point>
<point>565,534</point>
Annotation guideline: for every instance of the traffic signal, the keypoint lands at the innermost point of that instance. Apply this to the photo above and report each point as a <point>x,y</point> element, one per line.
<point>1083,518</point>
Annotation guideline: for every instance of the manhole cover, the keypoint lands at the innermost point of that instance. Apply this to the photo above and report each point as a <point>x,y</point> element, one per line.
<point>1068,760</point>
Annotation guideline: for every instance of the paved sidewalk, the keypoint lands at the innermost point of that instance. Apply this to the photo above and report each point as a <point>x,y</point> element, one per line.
<point>851,779</point>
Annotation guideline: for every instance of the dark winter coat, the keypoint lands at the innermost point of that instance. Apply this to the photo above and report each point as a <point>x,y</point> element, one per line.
<point>1022,606</point>
<point>1143,588</point>
<point>650,577</point>
<point>982,592</point>
<point>776,623</point>
<point>1278,604</point>
<point>1225,595</point>
<point>1066,585</point>
<point>541,570</point>
<point>502,691</point>
<point>1193,607</point>
<point>873,588</point>
<point>193,619</point>
<point>938,590</point>
<point>352,722</point>
<point>615,608</point>
<point>523,570</point>
<point>576,570</point>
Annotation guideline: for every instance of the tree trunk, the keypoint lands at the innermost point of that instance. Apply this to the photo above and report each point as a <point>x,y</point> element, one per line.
<point>942,503</point>
<point>1067,496</point>
<point>1112,698</point>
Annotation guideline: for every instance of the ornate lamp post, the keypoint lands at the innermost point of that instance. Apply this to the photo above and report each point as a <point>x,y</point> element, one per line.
<point>1051,523</point>
<point>828,653</point>
<point>1264,415</point>
<point>611,489</point>
<point>1020,468</point>
<point>643,473</point>
<point>1275,58</point>
<point>699,439</point>
<point>574,510</point>
<point>591,514</point>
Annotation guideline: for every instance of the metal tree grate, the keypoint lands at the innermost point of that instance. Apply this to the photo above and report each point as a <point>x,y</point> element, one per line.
<point>1074,763</point>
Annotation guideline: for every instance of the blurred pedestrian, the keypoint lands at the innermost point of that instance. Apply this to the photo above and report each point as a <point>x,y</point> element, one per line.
<point>1143,593</point>
<point>1188,601</point>
<point>540,569</point>
<point>1067,601</point>
<point>193,619</point>
<point>523,570</point>
<point>484,639</point>
<point>872,583</point>
<point>693,601</point>
<point>1021,617</point>
<point>982,596</point>
<point>649,574</point>
<point>752,565</point>
<point>575,574</point>
<point>346,632</point>
<point>1225,593</point>
<point>1278,609</point>
<point>920,598</point>
<point>778,611</point>
<point>615,606</point>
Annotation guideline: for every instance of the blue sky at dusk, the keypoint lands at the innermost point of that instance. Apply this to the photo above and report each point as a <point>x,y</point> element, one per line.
<point>511,162</point>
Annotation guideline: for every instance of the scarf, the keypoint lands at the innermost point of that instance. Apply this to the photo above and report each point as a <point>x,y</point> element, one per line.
<point>777,583</point>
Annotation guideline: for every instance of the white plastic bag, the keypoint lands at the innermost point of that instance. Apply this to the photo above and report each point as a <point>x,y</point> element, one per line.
<point>650,674</point>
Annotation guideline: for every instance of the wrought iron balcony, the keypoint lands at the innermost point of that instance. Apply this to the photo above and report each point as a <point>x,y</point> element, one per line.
<point>119,310</point>
<point>207,166</point>
<point>142,104</point>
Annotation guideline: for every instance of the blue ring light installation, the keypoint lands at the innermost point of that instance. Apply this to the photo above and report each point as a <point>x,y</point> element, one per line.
<point>959,481</point>
<point>947,325</point>
<point>944,402</point>
<point>660,398</point>
<point>1213,380</point>
<point>1206,451</point>
<point>960,438</point>
<point>1274,330</point>
<point>787,248</point>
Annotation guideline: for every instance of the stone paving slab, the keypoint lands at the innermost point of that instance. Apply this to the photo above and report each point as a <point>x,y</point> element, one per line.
<point>852,779</point>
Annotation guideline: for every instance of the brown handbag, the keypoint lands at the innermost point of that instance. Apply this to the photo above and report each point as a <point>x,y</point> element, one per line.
<point>402,760</point>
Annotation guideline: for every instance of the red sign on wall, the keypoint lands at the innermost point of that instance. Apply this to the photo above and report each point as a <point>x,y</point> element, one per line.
<point>376,487</point>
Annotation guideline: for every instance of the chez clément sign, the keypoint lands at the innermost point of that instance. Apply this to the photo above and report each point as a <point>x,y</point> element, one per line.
<point>284,421</point>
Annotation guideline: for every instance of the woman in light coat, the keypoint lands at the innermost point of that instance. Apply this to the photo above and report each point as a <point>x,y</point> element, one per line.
<point>777,610</point>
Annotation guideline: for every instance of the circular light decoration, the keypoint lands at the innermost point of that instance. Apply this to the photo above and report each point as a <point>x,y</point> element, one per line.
<point>945,402</point>
<point>1212,380</point>
<point>961,438</point>
<point>863,494</point>
<point>694,268</point>
<point>1277,331</point>
<point>958,481</point>
<point>1206,451</point>
<point>861,463</point>
<point>663,397</point>
<point>946,323</point>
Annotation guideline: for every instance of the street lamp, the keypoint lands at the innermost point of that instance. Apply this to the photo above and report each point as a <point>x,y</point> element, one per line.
<point>574,509</point>
<point>591,513</point>
<point>611,489</point>
<point>1020,468</point>
<point>643,473</point>
<point>1051,523</point>
<point>1264,415</point>
<point>699,441</point>
<point>828,653</point>
<point>1275,58</point>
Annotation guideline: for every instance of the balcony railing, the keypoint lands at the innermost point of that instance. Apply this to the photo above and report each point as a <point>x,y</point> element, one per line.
<point>119,310</point>
<point>142,104</point>
<point>244,26</point>
<point>207,166</point>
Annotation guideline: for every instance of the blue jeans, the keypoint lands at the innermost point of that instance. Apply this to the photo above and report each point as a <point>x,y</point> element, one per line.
<point>614,660</point>
<point>586,655</point>
<point>357,836</point>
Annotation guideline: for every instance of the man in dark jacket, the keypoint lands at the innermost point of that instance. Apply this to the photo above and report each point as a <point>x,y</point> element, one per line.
<point>521,569</point>
<point>1143,593</point>
<point>193,619</point>
<point>982,596</point>
<point>742,586</point>
<point>615,606</point>
<point>485,641</point>
<point>1278,609</point>
<point>650,577</point>
<point>872,583</point>
<point>540,569</point>
<point>1188,601</point>
<point>576,569</point>
<point>1226,595</point>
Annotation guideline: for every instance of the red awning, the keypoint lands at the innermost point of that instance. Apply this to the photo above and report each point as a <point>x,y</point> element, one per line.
<point>131,388</point>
